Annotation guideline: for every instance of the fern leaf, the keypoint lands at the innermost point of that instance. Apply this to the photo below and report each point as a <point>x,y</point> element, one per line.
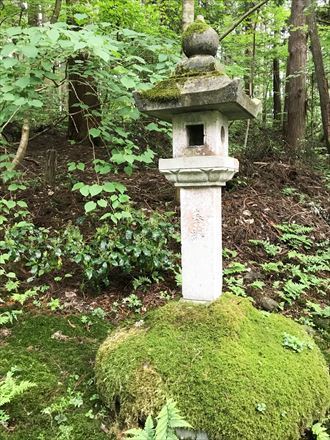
<point>149,428</point>
<point>10,388</point>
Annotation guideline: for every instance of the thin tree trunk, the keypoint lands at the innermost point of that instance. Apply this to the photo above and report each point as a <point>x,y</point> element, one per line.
<point>277,109</point>
<point>296,99</point>
<point>321,79</point>
<point>22,145</point>
<point>188,13</point>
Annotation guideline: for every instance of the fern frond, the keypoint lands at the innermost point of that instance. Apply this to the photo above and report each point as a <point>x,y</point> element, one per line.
<point>10,388</point>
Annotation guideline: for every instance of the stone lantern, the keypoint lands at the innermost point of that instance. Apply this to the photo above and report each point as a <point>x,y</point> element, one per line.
<point>199,100</point>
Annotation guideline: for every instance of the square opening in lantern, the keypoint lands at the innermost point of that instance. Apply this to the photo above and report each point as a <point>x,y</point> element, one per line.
<point>195,135</point>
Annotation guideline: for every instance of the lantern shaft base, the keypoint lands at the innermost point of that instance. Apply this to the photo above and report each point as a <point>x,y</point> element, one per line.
<point>201,243</point>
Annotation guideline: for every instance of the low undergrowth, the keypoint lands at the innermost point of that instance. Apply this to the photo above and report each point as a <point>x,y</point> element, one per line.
<point>55,355</point>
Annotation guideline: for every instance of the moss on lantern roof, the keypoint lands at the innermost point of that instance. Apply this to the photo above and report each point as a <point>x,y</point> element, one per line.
<point>226,365</point>
<point>170,89</point>
<point>197,27</point>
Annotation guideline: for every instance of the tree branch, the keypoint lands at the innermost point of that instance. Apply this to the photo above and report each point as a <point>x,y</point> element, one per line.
<point>242,18</point>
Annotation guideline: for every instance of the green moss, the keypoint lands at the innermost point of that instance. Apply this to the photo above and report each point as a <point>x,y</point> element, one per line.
<point>163,91</point>
<point>218,362</point>
<point>51,364</point>
<point>197,27</point>
<point>169,89</point>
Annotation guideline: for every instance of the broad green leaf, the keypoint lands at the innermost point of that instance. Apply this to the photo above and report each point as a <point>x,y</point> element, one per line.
<point>95,189</point>
<point>23,82</point>
<point>77,185</point>
<point>84,190</point>
<point>8,49</point>
<point>53,35</point>
<point>9,62</point>
<point>94,132</point>
<point>102,203</point>
<point>127,82</point>
<point>109,187</point>
<point>90,206</point>
<point>29,51</point>
<point>36,103</point>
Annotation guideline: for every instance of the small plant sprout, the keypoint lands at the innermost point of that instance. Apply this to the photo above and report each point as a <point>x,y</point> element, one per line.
<point>293,343</point>
<point>269,248</point>
<point>99,313</point>
<point>133,302</point>
<point>261,407</point>
<point>54,304</point>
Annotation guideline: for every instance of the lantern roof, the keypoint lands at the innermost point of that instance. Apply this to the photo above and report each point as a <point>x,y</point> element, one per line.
<point>198,83</point>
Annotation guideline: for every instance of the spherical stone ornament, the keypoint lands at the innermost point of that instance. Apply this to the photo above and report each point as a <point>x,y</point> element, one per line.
<point>200,39</point>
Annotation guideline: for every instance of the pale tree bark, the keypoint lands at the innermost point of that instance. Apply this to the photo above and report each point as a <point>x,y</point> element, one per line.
<point>188,13</point>
<point>320,75</point>
<point>296,76</point>
<point>19,156</point>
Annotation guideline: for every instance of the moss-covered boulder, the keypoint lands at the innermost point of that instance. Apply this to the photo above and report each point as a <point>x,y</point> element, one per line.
<point>235,372</point>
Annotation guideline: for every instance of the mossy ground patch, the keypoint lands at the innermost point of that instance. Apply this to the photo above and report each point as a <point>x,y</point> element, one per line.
<point>225,365</point>
<point>53,365</point>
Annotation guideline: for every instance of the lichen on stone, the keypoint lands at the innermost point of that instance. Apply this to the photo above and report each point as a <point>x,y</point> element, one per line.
<point>221,363</point>
<point>197,27</point>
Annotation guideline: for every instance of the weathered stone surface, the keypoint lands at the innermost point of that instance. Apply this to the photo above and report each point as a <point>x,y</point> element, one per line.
<point>268,304</point>
<point>215,131</point>
<point>185,434</point>
<point>199,171</point>
<point>201,43</point>
<point>202,63</point>
<point>203,93</point>
<point>201,243</point>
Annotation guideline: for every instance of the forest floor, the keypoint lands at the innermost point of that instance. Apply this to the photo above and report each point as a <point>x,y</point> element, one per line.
<point>284,270</point>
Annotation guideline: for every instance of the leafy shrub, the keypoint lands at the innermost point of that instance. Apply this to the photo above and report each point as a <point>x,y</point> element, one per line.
<point>138,246</point>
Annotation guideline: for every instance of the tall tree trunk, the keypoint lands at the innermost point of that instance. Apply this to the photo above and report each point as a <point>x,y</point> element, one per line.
<point>277,107</point>
<point>56,11</point>
<point>83,98</point>
<point>296,97</point>
<point>188,13</point>
<point>321,79</point>
<point>33,11</point>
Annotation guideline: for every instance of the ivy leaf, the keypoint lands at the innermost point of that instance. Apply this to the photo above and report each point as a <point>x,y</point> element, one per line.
<point>90,206</point>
